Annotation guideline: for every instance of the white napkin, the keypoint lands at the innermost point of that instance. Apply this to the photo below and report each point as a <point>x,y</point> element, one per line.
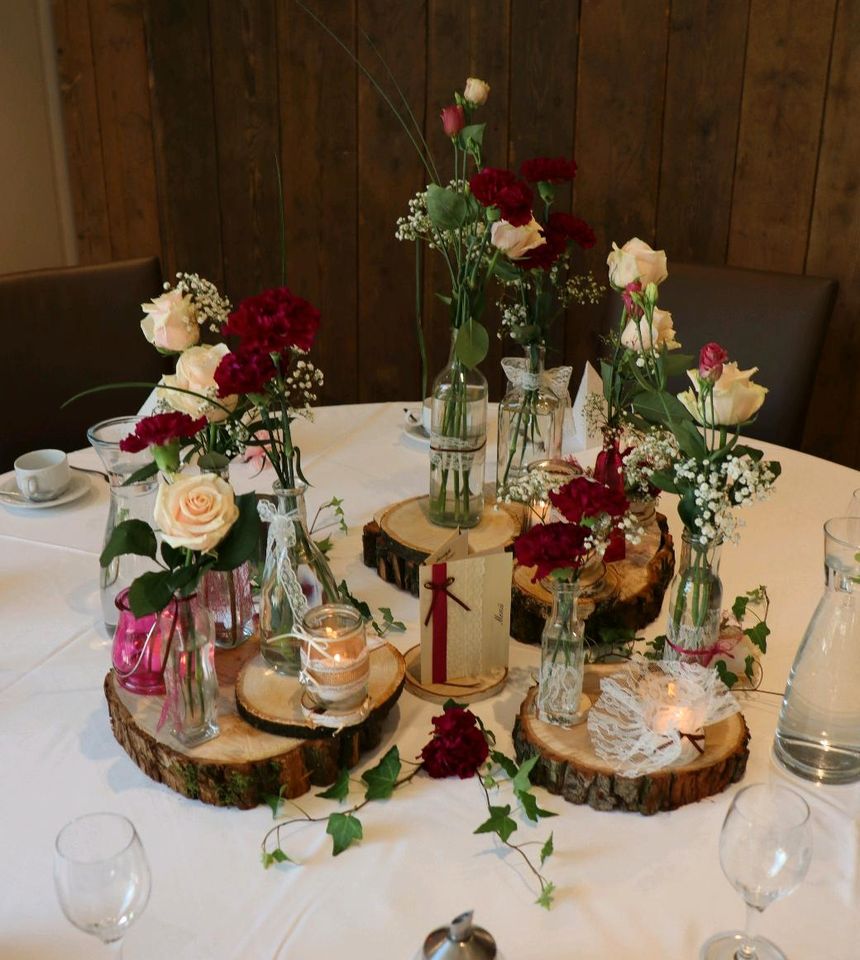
<point>584,436</point>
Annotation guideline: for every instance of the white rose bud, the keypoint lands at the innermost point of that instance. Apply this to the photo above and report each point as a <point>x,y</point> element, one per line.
<point>171,322</point>
<point>196,512</point>
<point>195,371</point>
<point>636,261</point>
<point>736,398</point>
<point>639,336</point>
<point>476,91</point>
<point>516,242</point>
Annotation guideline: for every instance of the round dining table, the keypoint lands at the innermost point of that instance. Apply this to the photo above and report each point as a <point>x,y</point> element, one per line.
<point>626,885</point>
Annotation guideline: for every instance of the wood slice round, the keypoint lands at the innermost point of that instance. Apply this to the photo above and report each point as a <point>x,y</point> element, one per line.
<point>273,703</point>
<point>569,766</point>
<point>630,594</point>
<point>463,689</point>
<point>243,764</point>
<point>402,537</point>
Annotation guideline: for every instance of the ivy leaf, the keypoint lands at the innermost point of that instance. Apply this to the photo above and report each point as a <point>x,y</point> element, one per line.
<point>452,704</point>
<point>739,607</point>
<point>531,808</point>
<point>522,782</point>
<point>274,800</point>
<point>472,343</point>
<point>339,789</point>
<point>276,856</point>
<point>382,778</point>
<point>749,662</point>
<point>241,542</point>
<point>546,895</point>
<point>489,781</point>
<point>325,545</point>
<point>758,635</point>
<point>546,851</point>
<point>445,207</point>
<point>499,822</point>
<point>726,675</point>
<point>344,829</point>
<point>397,626</point>
<point>505,763</point>
<point>359,605</point>
<point>130,536</point>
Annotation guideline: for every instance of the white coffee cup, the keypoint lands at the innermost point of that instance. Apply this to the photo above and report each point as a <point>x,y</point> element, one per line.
<point>42,474</point>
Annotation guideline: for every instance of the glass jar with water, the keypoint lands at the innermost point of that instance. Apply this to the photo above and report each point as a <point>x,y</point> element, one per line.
<point>818,734</point>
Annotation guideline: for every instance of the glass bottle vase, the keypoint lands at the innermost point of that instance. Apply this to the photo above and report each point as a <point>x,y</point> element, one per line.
<point>562,656</point>
<point>458,444</point>
<point>128,501</point>
<point>530,419</point>
<point>189,673</point>
<point>695,601</point>
<point>818,733</point>
<point>296,576</point>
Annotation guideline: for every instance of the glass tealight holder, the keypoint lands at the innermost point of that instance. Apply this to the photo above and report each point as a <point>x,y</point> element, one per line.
<point>540,509</point>
<point>138,657</point>
<point>335,658</point>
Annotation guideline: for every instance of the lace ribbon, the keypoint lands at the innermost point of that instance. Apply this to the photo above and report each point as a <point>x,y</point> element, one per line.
<point>282,536</point>
<point>517,371</point>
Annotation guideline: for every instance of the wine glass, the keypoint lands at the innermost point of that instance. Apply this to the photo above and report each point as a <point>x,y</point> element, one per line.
<point>765,849</point>
<point>101,876</point>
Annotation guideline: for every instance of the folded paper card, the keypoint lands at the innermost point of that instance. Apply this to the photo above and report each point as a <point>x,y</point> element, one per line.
<point>584,434</point>
<point>465,604</point>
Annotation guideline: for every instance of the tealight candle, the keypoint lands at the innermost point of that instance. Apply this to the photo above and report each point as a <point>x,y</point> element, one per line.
<point>335,660</point>
<point>560,471</point>
<point>685,718</point>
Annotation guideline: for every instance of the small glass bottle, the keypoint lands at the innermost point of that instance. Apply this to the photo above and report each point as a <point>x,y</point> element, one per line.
<point>562,655</point>
<point>137,652</point>
<point>818,733</point>
<point>530,427</point>
<point>296,577</point>
<point>189,675</point>
<point>695,601</point>
<point>458,444</point>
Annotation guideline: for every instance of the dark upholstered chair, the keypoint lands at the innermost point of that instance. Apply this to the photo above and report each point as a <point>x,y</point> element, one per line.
<point>772,321</point>
<point>64,331</point>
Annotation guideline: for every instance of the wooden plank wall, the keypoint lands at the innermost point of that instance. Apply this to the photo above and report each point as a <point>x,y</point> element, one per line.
<point>724,131</point>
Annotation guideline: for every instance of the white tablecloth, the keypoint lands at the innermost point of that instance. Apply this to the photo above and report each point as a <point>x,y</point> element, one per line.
<point>627,885</point>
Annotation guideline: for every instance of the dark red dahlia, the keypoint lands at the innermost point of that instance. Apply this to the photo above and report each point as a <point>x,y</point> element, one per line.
<point>548,170</point>
<point>458,747</point>
<point>275,320</point>
<point>246,370</point>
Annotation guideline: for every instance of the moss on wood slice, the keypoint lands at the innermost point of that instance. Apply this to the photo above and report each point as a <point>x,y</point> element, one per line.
<point>569,766</point>
<point>244,764</point>
<point>630,594</point>
<point>402,538</point>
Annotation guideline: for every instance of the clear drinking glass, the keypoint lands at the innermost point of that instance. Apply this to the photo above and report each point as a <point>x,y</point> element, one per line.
<point>765,849</point>
<point>101,876</point>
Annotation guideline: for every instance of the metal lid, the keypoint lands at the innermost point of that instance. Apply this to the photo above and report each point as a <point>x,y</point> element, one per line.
<point>460,940</point>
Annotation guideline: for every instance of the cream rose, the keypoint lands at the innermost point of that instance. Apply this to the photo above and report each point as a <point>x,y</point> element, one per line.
<point>196,512</point>
<point>736,398</point>
<point>171,322</point>
<point>661,333</point>
<point>516,241</point>
<point>195,371</point>
<point>476,91</point>
<point>636,261</point>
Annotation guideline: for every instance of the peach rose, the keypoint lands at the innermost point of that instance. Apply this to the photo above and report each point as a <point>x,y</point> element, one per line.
<point>736,398</point>
<point>476,91</point>
<point>516,242</point>
<point>195,371</point>
<point>170,323</point>
<point>196,512</point>
<point>661,333</point>
<point>636,261</point>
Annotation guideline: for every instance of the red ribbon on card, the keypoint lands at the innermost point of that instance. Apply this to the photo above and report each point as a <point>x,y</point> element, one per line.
<point>438,611</point>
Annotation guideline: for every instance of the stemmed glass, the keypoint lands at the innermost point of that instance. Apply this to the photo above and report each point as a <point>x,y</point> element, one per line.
<point>854,504</point>
<point>765,849</point>
<point>101,876</point>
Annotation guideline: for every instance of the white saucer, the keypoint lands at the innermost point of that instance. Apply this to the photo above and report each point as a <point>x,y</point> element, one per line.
<point>78,486</point>
<point>415,431</point>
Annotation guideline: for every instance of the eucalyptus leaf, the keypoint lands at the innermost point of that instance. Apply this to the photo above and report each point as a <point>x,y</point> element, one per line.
<point>445,207</point>
<point>344,829</point>
<point>472,344</point>
<point>130,536</point>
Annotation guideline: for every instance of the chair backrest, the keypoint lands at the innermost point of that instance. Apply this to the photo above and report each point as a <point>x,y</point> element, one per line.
<point>64,331</point>
<point>774,321</point>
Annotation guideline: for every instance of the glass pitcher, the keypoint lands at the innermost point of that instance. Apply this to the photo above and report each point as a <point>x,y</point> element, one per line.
<point>133,502</point>
<point>818,734</point>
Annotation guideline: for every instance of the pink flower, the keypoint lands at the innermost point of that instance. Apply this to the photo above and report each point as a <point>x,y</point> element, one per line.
<point>453,119</point>
<point>633,309</point>
<point>711,359</point>
<point>255,454</point>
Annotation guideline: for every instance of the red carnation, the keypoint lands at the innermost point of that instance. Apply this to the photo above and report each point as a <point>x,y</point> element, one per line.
<point>548,170</point>
<point>244,371</point>
<point>275,320</point>
<point>160,429</point>
<point>501,188</point>
<point>711,359</point>
<point>571,228</point>
<point>560,229</point>
<point>551,546</point>
<point>453,119</point>
<point>581,498</point>
<point>458,747</point>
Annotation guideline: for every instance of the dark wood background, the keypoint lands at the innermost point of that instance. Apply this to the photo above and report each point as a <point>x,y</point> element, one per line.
<point>724,131</point>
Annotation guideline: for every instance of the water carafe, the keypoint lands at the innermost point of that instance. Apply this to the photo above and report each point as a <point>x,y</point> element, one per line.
<point>818,735</point>
<point>132,501</point>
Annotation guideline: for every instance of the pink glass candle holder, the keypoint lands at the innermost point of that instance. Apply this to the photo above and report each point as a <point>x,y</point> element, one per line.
<point>137,650</point>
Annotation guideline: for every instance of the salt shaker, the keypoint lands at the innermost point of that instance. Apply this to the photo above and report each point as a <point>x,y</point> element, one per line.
<point>460,940</point>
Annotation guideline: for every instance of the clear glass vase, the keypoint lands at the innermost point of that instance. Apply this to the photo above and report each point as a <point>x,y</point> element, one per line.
<point>818,733</point>
<point>562,656</point>
<point>227,594</point>
<point>135,501</point>
<point>189,673</point>
<point>530,419</point>
<point>458,445</point>
<point>695,601</point>
<point>296,576</point>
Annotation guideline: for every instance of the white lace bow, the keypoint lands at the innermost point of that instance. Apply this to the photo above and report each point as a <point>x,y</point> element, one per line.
<point>556,380</point>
